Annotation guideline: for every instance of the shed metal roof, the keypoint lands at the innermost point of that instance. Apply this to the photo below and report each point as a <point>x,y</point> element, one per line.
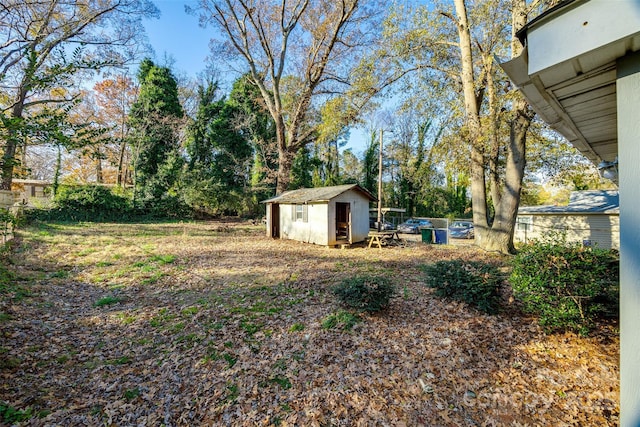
<point>581,202</point>
<point>317,195</point>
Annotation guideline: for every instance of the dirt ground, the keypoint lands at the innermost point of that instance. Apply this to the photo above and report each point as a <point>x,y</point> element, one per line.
<point>213,323</point>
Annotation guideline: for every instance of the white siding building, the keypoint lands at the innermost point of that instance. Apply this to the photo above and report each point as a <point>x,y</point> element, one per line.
<point>325,216</point>
<point>591,218</point>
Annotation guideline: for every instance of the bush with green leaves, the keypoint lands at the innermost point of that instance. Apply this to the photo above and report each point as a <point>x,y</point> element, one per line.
<point>103,204</point>
<point>86,203</point>
<point>368,293</point>
<point>567,285</point>
<point>473,282</point>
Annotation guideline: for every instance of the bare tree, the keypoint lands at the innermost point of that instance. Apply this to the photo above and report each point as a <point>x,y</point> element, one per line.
<point>45,44</point>
<point>301,54</point>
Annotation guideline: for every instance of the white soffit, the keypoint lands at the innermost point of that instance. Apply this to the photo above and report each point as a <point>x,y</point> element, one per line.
<point>567,70</point>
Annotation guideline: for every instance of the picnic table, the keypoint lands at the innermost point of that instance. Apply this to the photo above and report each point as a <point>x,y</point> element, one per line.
<point>380,238</point>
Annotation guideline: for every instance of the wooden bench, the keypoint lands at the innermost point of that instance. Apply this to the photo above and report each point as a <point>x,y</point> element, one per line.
<point>380,238</point>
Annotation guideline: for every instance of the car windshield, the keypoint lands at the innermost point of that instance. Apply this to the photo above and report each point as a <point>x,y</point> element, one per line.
<point>458,224</point>
<point>417,221</point>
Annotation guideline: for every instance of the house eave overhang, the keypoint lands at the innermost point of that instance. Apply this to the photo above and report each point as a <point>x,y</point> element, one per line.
<point>567,69</point>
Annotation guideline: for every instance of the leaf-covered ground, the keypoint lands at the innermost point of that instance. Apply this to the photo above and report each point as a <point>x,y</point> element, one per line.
<point>215,324</point>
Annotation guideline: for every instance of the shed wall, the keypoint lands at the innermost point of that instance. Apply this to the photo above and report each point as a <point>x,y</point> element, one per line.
<point>313,231</point>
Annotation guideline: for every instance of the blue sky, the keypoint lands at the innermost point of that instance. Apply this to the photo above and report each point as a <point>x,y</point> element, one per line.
<point>179,36</point>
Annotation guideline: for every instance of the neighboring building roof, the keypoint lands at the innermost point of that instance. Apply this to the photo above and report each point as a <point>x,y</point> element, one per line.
<point>589,202</point>
<point>316,195</point>
<point>31,181</point>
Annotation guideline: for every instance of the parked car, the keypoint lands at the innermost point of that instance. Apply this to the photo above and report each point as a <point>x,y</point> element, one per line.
<point>386,225</point>
<point>461,230</point>
<point>413,225</point>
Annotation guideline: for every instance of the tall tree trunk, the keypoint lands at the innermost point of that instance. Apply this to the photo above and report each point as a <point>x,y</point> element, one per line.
<point>495,234</point>
<point>285,162</point>
<point>8,160</point>
<point>285,157</point>
<point>522,115</point>
<point>472,110</point>
<point>11,143</point>
<point>58,168</point>
<point>121,178</point>
<point>98,159</point>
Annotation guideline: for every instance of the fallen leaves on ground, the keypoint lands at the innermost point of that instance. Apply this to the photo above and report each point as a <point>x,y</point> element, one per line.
<point>214,323</point>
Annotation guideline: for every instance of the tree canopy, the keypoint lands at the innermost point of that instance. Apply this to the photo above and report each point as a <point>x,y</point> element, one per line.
<point>44,46</point>
<point>458,139</point>
<point>301,55</point>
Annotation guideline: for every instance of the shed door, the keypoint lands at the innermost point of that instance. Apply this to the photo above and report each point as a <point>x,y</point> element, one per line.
<point>275,220</point>
<point>343,221</point>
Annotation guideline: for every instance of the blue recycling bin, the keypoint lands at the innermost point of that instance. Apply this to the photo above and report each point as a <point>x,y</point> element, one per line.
<point>441,236</point>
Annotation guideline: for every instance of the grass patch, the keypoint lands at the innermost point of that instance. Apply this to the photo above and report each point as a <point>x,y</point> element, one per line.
<point>132,393</point>
<point>250,328</point>
<point>340,320</point>
<point>190,311</point>
<point>126,318</point>
<point>232,393</point>
<point>11,415</point>
<point>108,300</point>
<point>104,264</point>
<point>153,279</point>
<point>296,327</point>
<point>231,361</point>
<point>60,274</point>
<point>87,251</point>
<point>7,280</point>
<point>124,360</point>
<point>163,259</point>
<point>9,362</point>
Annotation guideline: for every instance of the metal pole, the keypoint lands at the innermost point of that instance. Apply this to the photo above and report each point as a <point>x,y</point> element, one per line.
<point>380,183</point>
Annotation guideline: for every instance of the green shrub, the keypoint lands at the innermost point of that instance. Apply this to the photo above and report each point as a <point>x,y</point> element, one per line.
<point>473,282</point>
<point>97,203</point>
<point>368,293</point>
<point>567,285</point>
<point>85,203</point>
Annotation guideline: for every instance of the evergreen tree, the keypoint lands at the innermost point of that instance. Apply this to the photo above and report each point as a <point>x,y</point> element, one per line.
<point>255,123</point>
<point>220,156</point>
<point>304,170</point>
<point>155,119</point>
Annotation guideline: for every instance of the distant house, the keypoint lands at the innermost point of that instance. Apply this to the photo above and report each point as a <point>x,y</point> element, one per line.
<point>592,218</point>
<point>31,192</point>
<point>25,192</point>
<point>324,216</point>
